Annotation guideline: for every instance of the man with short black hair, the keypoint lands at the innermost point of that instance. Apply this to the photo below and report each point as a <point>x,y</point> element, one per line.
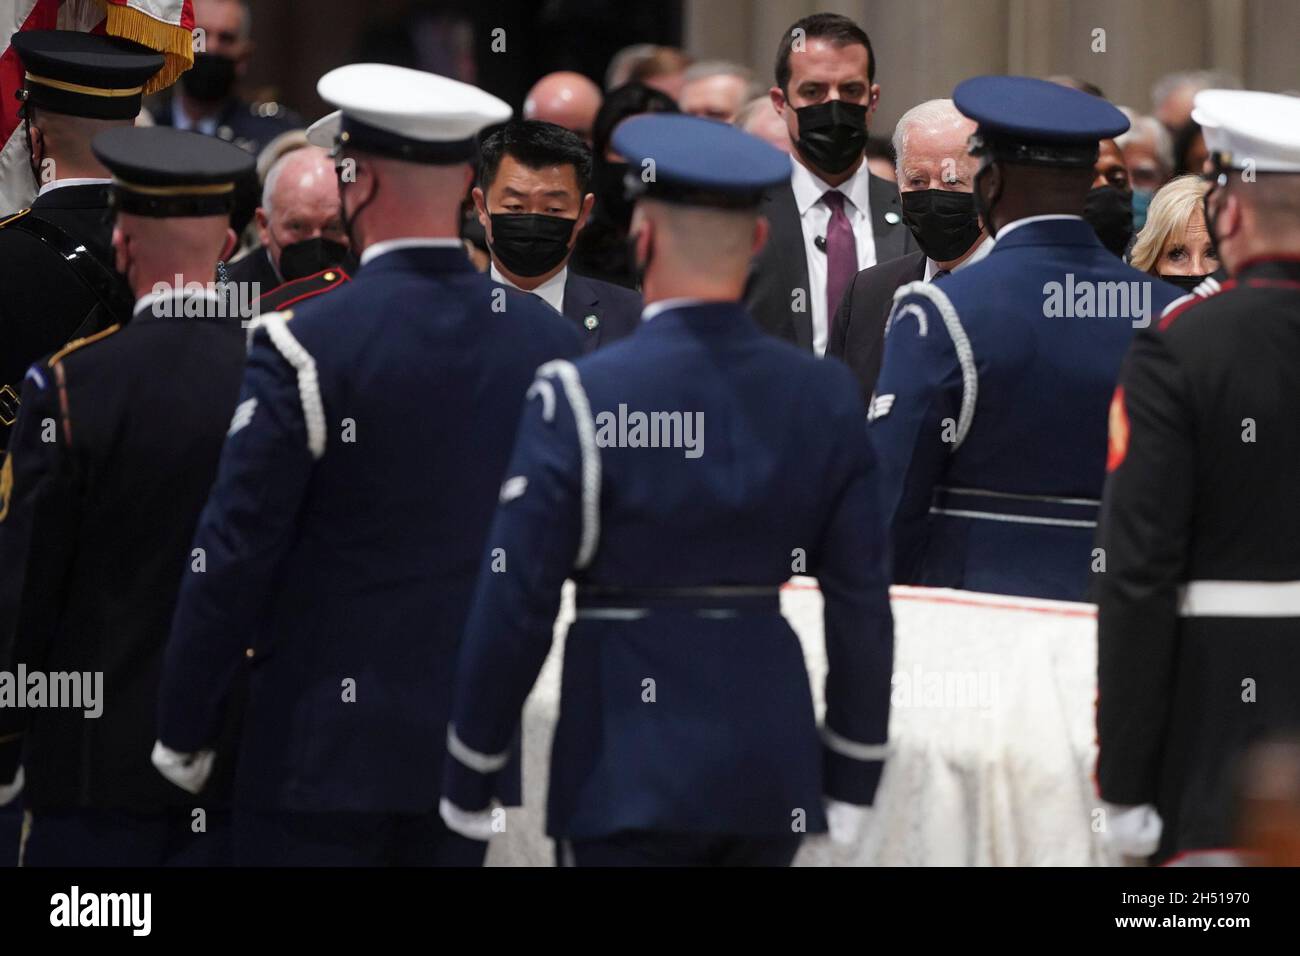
<point>834,218</point>
<point>533,199</point>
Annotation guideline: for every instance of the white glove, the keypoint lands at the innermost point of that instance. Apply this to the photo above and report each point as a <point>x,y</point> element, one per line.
<point>9,791</point>
<point>845,821</point>
<point>474,824</point>
<point>1132,831</point>
<point>188,771</point>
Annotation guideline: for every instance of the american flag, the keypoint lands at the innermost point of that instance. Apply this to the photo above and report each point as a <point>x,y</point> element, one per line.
<point>164,25</point>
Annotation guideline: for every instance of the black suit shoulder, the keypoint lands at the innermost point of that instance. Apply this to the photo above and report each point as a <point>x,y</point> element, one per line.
<point>603,312</point>
<point>858,335</point>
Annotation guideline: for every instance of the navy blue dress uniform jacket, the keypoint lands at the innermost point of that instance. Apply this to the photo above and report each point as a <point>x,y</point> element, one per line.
<point>729,744</point>
<point>989,415</point>
<point>603,312</point>
<point>343,533</point>
<point>113,458</point>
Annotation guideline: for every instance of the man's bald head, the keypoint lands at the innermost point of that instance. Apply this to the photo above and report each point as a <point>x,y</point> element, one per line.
<point>300,200</point>
<point>566,99</point>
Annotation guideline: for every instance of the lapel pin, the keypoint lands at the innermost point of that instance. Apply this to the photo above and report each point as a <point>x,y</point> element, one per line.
<point>893,218</point>
<point>591,322</point>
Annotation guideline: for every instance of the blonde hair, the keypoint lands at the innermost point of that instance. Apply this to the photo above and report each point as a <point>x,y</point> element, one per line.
<point>1168,215</point>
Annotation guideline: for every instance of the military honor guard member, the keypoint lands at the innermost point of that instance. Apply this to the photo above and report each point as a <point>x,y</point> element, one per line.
<point>353,501</point>
<point>1199,602</point>
<point>113,455</point>
<point>533,198</point>
<point>686,733</point>
<point>990,410</point>
<point>56,263</point>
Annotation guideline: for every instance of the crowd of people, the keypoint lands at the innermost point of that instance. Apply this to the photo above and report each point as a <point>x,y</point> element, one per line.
<point>307,426</point>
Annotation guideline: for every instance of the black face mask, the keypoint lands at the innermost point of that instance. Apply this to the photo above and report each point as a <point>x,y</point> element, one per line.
<point>310,256</point>
<point>832,135</point>
<point>607,182</point>
<point>1110,213</point>
<point>530,244</point>
<point>943,221</point>
<point>1186,283</point>
<point>211,78</point>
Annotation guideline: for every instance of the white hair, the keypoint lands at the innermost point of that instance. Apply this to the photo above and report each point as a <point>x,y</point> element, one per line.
<point>1199,80</point>
<point>933,113</point>
<point>277,168</point>
<point>1148,129</point>
<point>709,68</point>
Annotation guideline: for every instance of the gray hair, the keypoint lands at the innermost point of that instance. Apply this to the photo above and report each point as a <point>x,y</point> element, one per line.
<point>1199,80</point>
<point>708,68</point>
<point>1148,129</point>
<point>930,113</point>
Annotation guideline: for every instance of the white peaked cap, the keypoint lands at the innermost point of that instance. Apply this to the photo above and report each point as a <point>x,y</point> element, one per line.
<point>1262,129</point>
<point>411,103</point>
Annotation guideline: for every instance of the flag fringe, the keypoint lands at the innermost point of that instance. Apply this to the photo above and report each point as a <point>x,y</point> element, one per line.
<point>173,41</point>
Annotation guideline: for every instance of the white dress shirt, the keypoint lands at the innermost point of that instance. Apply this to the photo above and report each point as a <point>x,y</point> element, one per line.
<point>985,247</point>
<point>1017,223</point>
<point>551,291</point>
<point>815,217</point>
<point>378,249</point>
<point>60,183</point>
<point>663,305</point>
<point>182,120</point>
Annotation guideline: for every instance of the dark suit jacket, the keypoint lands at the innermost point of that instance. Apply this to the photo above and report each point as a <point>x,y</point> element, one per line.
<point>617,311</point>
<point>782,266</point>
<point>858,333</point>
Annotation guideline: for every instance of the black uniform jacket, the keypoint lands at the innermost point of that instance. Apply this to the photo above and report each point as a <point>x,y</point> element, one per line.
<point>44,303</point>
<point>1199,627</point>
<point>113,456</point>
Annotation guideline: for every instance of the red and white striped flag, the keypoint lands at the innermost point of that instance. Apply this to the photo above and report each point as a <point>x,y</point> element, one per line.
<point>164,25</point>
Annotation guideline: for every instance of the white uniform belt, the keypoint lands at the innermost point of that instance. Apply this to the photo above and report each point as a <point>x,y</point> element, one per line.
<point>1239,599</point>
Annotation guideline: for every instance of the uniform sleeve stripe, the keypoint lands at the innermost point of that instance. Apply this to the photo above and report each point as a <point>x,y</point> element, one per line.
<point>851,748</point>
<point>313,408</point>
<point>471,758</point>
<point>586,425</point>
<point>960,342</point>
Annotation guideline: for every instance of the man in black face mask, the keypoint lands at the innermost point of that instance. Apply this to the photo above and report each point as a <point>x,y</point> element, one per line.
<point>990,410</point>
<point>935,176</point>
<point>205,99</point>
<point>533,201</point>
<point>834,218</point>
<point>304,245</point>
<point>1109,206</point>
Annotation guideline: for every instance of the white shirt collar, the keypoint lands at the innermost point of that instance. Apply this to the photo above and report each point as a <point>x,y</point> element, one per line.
<point>146,302</point>
<point>551,291</point>
<point>378,249</point>
<point>1017,223</point>
<point>663,305</point>
<point>982,250</point>
<point>809,187</point>
<point>60,183</point>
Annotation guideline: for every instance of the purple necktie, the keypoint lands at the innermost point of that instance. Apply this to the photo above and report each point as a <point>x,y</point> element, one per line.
<point>841,254</point>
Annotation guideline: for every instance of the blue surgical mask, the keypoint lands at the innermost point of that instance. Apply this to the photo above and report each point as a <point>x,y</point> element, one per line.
<point>1141,200</point>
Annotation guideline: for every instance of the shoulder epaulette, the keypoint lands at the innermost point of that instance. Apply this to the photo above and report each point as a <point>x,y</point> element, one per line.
<point>298,290</point>
<point>80,343</point>
<point>14,218</point>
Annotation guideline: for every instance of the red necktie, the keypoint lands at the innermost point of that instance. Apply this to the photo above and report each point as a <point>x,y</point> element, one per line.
<point>841,254</point>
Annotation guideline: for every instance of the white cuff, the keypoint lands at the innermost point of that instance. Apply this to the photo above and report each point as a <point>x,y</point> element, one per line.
<point>188,771</point>
<point>845,821</point>
<point>1132,831</point>
<point>474,824</point>
<point>9,791</point>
